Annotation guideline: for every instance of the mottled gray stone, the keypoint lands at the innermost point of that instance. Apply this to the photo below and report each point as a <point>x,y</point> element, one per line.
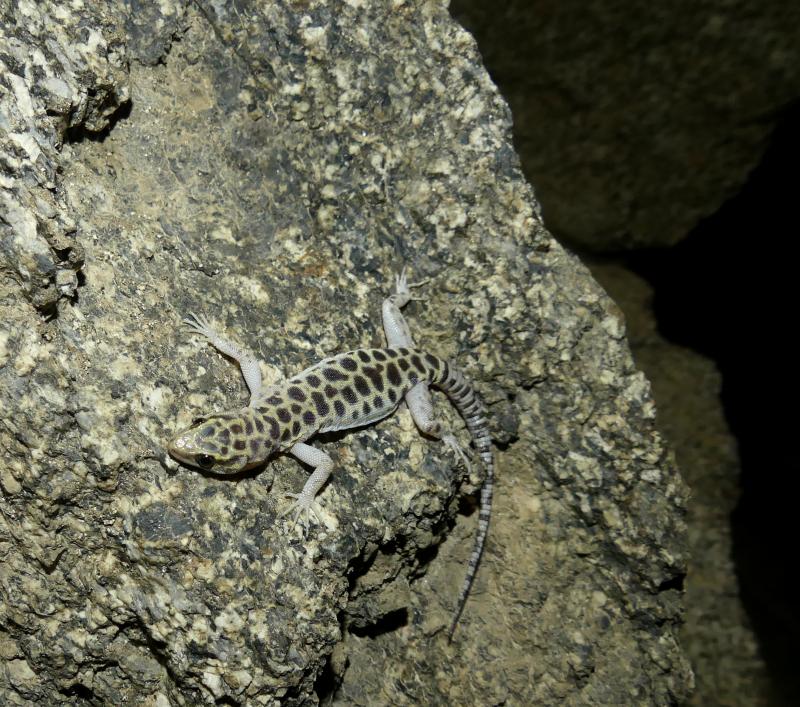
<point>54,75</point>
<point>276,167</point>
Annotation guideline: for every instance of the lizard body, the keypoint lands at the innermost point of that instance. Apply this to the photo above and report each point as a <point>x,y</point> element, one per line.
<point>349,390</point>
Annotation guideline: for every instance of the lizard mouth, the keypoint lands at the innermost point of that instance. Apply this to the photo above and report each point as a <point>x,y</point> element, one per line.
<point>180,449</point>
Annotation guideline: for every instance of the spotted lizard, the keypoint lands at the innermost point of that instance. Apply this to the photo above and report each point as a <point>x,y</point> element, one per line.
<point>350,390</point>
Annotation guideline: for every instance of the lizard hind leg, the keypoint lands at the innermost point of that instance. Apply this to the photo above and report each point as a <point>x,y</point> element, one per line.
<point>420,405</point>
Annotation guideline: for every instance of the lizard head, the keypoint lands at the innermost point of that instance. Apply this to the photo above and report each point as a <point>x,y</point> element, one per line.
<point>222,443</point>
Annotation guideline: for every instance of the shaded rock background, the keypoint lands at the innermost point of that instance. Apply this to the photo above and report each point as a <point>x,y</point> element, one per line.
<point>663,114</point>
<point>273,165</point>
<point>634,121</point>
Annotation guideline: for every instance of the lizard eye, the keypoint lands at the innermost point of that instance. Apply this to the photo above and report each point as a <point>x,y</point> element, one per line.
<point>204,461</point>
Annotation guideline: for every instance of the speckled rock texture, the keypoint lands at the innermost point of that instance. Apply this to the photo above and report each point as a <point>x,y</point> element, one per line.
<point>635,120</point>
<point>272,165</point>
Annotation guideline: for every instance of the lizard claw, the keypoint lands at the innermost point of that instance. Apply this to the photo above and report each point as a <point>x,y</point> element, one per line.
<point>301,507</point>
<point>200,325</point>
<point>451,441</point>
<point>402,287</point>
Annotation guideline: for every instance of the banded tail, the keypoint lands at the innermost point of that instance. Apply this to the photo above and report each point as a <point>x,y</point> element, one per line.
<point>463,396</point>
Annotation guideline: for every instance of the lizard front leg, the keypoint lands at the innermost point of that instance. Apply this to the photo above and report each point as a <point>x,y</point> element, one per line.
<point>323,466</point>
<point>248,363</point>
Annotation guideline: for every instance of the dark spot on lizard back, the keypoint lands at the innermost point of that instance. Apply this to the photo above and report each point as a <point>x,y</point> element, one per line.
<point>361,385</point>
<point>330,392</point>
<point>375,378</point>
<point>254,446</point>
<point>295,428</point>
<point>348,363</point>
<point>296,393</point>
<point>363,355</point>
<point>393,374</point>
<point>313,380</point>
<point>236,428</point>
<point>349,395</point>
<point>239,445</point>
<point>417,361</point>
<point>404,364</point>
<point>274,430</point>
<point>296,408</point>
<point>207,431</point>
<point>309,417</point>
<point>225,436</point>
<point>367,409</point>
<point>259,426</point>
<point>284,415</point>
<point>274,400</point>
<point>391,353</point>
<point>320,403</point>
<point>338,406</point>
<point>432,360</point>
<point>378,401</point>
<point>333,374</point>
<point>379,355</point>
<point>392,395</point>
<point>248,427</point>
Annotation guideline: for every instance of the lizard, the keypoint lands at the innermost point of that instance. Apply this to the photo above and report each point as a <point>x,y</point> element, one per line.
<point>352,389</point>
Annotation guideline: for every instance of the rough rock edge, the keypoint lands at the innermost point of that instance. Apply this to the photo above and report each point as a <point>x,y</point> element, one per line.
<point>57,75</point>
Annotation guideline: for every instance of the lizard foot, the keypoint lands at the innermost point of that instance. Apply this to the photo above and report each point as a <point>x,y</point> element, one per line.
<point>302,508</point>
<point>200,325</point>
<point>402,292</point>
<point>451,441</point>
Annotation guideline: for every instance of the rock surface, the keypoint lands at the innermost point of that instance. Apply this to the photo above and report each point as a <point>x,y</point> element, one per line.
<point>272,166</point>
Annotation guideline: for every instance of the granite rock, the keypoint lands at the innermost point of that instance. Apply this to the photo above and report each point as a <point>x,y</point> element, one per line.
<point>272,166</point>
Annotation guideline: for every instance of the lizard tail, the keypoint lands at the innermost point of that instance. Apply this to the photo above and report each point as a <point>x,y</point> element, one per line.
<point>460,391</point>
